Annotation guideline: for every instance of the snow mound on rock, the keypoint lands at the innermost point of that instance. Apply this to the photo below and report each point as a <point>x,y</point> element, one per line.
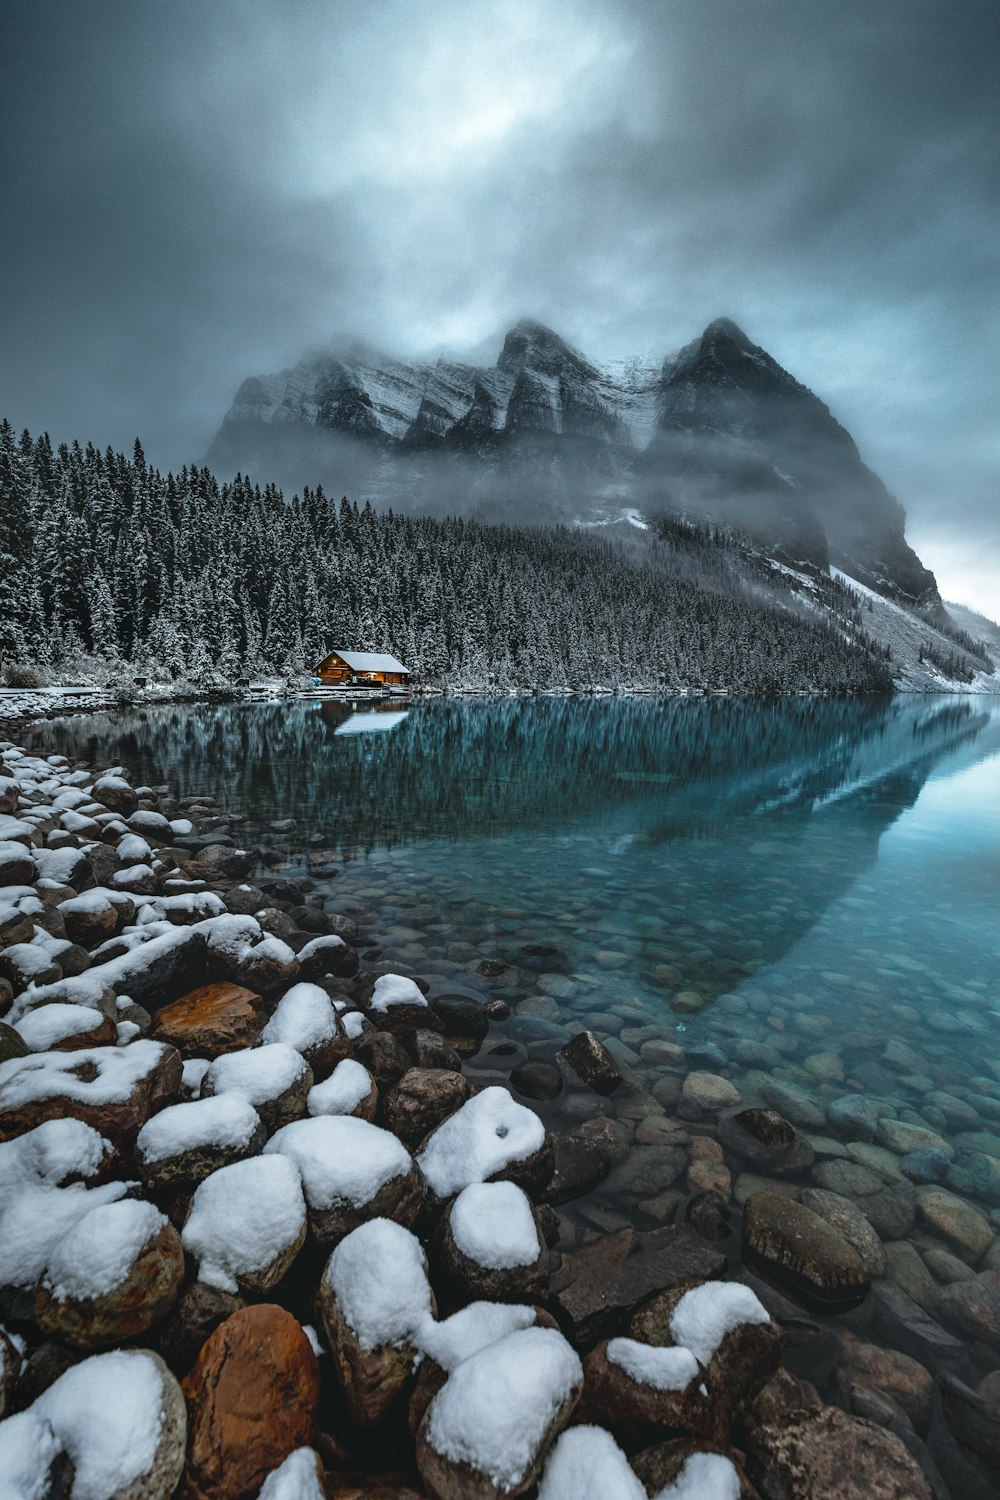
<point>487,1134</point>
<point>304,1018</point>
<point>107,1412</point>
<point>35,1219</point>
<point>242,1217</point>
<point>28,1449</point>
<point>296,1479</point>
<point>52,1152</point>
<point>225,1120</point>
<point>98,1252</point>
<point>378,1278</point>
<point>661,1369</point>
<point>705,1476</point>
<point>256,1074</point>
<point>472,1328</point>
<point>342,1092</point>
<point>395,989</point>
<point>497,1406</point>
<point>587,1464</point>
<point>492,1224</point>
<point>706,1313</point>
<point>341,1159</point>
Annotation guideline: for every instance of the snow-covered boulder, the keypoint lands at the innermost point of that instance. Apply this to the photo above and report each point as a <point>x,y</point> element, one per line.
<point>65,1028</point>
<point>305,1019</point>
<point>587,1464</point>
<point>488,1245</point>
<point>393,1002</point>
<point>490,1137</point>
<point>349,1090</point>
<point>487,1431</point>
<point>116,1273</point>
<point>247,1223</point>
<point>300,1477</point>
<point>641,1391</point>
<point>375,1301</point>
<point>115,1089</point>
<point>351,1172</point>
<point>445,1343</point>
<point>185,1143</point>
<point>274,1078</point>
<point>121,1419</point>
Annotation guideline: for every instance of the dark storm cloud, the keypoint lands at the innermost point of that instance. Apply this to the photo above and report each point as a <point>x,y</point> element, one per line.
<point>194,192</point>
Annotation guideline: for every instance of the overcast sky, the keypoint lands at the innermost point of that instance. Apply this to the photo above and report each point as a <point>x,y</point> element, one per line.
<point>193,192</point>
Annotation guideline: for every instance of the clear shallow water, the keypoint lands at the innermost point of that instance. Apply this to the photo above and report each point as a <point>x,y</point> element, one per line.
<point>823,877</point>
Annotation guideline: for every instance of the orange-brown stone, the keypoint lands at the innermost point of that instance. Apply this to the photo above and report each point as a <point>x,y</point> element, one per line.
<point>211,1020</point>
<point>251,1398</point>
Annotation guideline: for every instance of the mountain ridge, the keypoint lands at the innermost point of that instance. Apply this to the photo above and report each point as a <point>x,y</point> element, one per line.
<point>720,429</point>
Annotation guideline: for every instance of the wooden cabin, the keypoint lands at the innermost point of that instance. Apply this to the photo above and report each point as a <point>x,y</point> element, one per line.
<point>354,668</point>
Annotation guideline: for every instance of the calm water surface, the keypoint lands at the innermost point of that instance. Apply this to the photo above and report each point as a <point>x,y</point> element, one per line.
<point>816,880</point>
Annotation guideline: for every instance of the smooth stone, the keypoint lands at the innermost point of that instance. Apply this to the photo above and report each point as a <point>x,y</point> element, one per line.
<point>828,1453</point>
<point>802,1252</point>
<point>849,1221</point>
<point>906,1326</point>
<point>905,1267</point>
<point>794,1103</point>
<point>972,1307</point>
<point>902,1137</point>
<point>926,1164</point>
<point>956,1221</point>
<point>853,1117</point>
<point>709,1092</point>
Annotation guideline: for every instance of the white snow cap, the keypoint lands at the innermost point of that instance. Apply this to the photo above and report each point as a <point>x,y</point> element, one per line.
<point>304,1018</point>
<point>107,1412</point>
<point>256,1075</point>
<point>50,1153</point>
<point>493,1225</point>
<point>661,1369</point>
<point>379,1281</point>
<point>28,1448</point>
<point>353,1022</point>
<point>341,1159</point>
<point>395,989</point>
<point>35,1218</point>
<point>40,1029</point>
<point>705,1476</point>
<point>242,1217</point>
<point>225,1120</point>
<point>587,1464</point>
<point>490,1131</point>
<point>471,1329</point>
<point>40,1075</point>
<point>100,1250</point>
<point>342,1092</point>
<point>296,1479</point>
<point>706,1313</point>
<point>497,1406</point>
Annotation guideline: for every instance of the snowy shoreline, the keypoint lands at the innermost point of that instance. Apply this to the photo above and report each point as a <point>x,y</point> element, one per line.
<point>233,1162</point>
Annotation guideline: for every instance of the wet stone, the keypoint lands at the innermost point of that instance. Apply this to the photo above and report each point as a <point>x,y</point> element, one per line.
<point>795,1247</point>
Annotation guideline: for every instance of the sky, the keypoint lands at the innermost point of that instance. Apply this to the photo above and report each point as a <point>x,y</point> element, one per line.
<point>194,192</point>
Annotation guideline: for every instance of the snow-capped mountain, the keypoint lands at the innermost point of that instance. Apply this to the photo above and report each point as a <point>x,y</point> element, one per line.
<point>719,429</point>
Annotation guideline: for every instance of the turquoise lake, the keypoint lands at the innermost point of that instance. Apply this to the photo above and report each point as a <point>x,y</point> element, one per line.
<point>800,895</point>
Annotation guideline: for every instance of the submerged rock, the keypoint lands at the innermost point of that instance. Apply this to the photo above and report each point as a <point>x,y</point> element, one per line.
<point>802,1252</point>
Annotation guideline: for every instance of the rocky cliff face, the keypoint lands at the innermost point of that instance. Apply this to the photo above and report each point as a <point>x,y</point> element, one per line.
<point>721,429</point>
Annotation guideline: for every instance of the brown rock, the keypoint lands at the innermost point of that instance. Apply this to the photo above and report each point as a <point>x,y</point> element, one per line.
<point>466,1278</point>
<point>252,1398</point>
<point>849,1221</point>
<point>197,1312</point>
<point>421,1099</point>
<point>800,1251</point>
<point>89,923</point>
<point>616,1396</point>
<point>660,1467</point>
<point>903,1379</point>
<point>966,1229</point>
<point>115,1089</point>
<point>598,1288</point>
<point>828,1453</point>
<point>764,1139</point>
<point>211,1020</point>
<point>592,1062</point>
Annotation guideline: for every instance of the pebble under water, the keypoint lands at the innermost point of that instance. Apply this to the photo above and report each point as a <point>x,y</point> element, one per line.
<point>798,898</point>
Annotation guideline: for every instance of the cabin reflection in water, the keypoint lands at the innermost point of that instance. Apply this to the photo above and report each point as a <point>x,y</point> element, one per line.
<point>343,719</point>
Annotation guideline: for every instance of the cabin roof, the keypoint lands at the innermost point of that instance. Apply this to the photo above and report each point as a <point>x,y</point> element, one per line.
<point>370,661</point>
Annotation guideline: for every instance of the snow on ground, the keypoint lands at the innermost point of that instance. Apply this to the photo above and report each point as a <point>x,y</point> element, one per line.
<point>343,1091</point>
<point>243,1217</point>
<point>341,1159</point>
<point>496,1407</point>
<point>97,1253</point>
<point>661,1369</point>
<point>587,1464</point>
<point>378,1278</point>
<point>706,1313</point>
<point>487,1134</point>
<point>493,1225</point>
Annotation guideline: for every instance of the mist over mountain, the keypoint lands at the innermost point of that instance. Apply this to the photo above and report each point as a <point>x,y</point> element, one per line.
<point>719,430</point>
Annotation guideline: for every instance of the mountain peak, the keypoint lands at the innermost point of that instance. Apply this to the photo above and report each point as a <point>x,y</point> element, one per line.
<point>532,345</point>
<point>725,328</point>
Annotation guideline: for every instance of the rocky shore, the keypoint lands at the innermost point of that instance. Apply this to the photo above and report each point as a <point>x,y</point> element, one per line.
<point>275,1219</point>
